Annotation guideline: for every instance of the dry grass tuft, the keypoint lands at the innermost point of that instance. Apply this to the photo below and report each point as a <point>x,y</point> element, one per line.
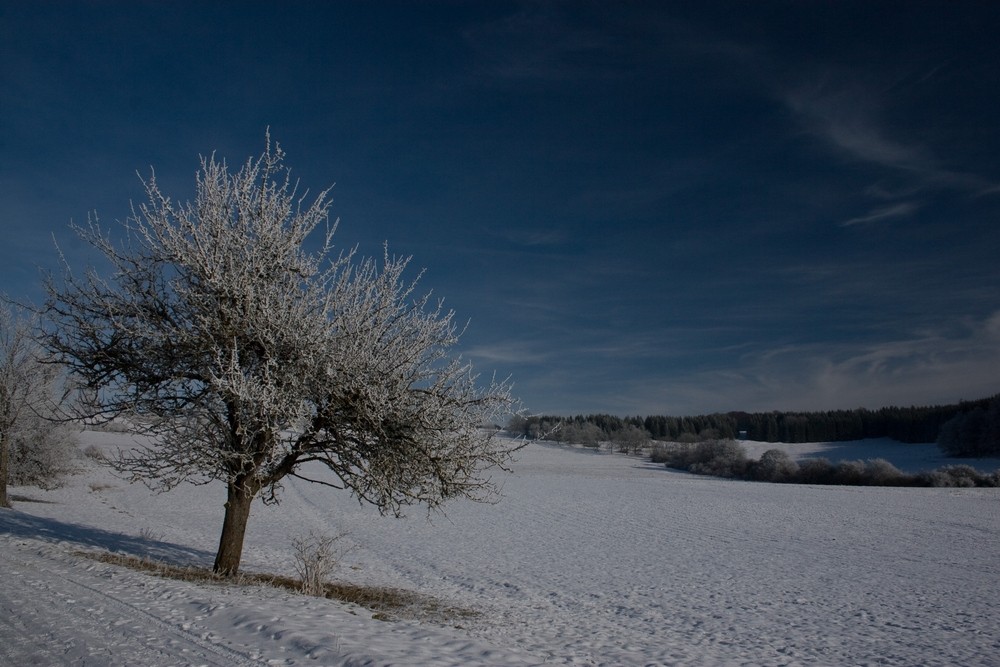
<point>388,604</point>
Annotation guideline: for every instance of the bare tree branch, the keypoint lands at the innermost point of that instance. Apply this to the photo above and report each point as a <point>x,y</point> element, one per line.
<point>248,354</point>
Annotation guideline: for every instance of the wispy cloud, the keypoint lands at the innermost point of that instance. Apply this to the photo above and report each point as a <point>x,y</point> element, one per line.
<point>899,210</point>
<point>929,366</point>
<point>846,117</point>
<point>926,367</point>
<point>505,353</point>
<point>850,116</point>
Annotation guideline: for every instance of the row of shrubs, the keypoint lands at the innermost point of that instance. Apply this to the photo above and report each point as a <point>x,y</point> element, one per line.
<point>726,458</point>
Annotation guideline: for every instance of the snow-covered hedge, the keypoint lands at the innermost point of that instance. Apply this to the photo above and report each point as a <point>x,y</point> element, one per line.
<point>726,458</point>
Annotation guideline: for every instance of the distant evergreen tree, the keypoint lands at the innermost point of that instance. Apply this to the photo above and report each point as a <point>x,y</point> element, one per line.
<point>975,432</point>
<point>980,424</point>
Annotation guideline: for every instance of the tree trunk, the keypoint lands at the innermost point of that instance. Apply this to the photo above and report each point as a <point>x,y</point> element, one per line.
<point>4,469</point>
<point>234,527</point>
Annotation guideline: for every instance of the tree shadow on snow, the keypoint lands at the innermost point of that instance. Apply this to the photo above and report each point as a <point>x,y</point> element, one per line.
<point>18,524</point>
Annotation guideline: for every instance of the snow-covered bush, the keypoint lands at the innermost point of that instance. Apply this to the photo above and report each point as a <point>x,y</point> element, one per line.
<point>42,455</point>
<point>94,453</point>
<point>816,471</point>
<point>850,473</point>
<point>954,476</point>
<point>722,458</point>
<point>775,466</point>
<point>880,472</point>
<point>725,458</point>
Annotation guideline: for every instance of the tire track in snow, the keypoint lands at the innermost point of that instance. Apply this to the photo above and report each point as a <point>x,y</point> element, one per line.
<point>52,615</point>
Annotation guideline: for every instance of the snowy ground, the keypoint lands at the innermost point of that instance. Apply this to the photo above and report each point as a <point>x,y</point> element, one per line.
<point>590,559</point>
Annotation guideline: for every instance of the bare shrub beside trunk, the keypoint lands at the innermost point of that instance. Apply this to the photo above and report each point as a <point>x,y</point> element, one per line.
<point>316,557</point>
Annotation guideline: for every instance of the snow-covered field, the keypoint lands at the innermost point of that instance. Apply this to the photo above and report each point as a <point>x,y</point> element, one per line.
<point>589,559</point>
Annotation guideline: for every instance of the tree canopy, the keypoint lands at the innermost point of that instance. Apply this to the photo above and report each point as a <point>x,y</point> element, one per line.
<point>249,355</point>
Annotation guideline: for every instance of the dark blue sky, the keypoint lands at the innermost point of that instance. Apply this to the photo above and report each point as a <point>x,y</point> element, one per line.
<point>642,208</point>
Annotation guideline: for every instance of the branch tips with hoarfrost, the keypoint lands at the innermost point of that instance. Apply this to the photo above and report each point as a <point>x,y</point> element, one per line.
<point>250,355</point>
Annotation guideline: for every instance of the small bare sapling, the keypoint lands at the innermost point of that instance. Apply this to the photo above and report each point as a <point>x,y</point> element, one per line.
<point>316,556</point>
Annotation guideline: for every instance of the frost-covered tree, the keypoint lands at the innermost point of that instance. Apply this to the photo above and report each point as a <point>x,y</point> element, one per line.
<point>34,447</point>
<point>230,330</point>
<point>630,438</point>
